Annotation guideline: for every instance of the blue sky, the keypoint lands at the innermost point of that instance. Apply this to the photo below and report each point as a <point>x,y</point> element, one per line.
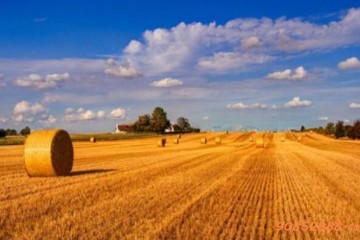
<point>225,65</point>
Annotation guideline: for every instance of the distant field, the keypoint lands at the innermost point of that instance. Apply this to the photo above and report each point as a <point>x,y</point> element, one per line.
<point>132,189</point>
<point>81,137</point>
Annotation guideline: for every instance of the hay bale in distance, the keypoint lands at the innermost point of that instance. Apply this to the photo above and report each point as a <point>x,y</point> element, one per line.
<point>48,153</point>
<point>93,140</point>
<point>176,140</point>
<point>251,139</point>
<point>282,139</point>
<point>162,142</point>
<point>299,138</point>
<point>178,136</point>
<point>260,142</point>
<point>218,140</point>
<point>203,140</point>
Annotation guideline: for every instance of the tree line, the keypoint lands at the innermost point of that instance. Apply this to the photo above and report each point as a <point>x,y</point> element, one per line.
<point>158,122</point>
<point>12,132</point>
<point>340,129</point>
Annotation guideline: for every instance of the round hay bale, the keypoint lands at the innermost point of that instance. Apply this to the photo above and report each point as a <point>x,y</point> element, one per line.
<point>299,138</point>
<point>251,139</point>
<point>260,142</point>
<point>176,140</point>
<point>282,139</point>
<point>203,140</point>
<point>48,153</point>
<point>218,140</point>
<point>93,140</point>
<point>162,142</point>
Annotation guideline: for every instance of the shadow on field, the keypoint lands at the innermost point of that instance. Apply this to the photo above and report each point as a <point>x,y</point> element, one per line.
<point>93,171</point>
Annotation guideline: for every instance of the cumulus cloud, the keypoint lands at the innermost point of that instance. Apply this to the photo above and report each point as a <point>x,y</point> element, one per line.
<point>167,82</point>
<point>299,73</point>
<point>81,114</point>
<point>273,106</point>
<point>354,105</point>
<point>223,61</point>
<point>123,70</point>
<point>205,118</point>
<point>38,82</point>
<point>197,44</point>
<point>118,113</point>
<point>297,102</point>
<point>350,63</point>
<point>133,47</point>
<point>242,106</point>
<point>3,120</point>
<point>250,42</point>
<point>32,112</point>
<point>323,118</point>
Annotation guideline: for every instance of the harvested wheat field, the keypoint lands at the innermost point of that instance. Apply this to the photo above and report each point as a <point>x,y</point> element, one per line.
<point>132,189</point>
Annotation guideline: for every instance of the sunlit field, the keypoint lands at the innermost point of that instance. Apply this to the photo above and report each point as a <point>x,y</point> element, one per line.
<point>132,189</point>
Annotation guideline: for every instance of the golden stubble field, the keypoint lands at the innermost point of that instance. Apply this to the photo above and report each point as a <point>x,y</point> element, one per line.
<point>132,189</point>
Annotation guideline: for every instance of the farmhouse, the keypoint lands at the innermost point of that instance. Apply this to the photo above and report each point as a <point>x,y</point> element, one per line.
<point>123,128</point>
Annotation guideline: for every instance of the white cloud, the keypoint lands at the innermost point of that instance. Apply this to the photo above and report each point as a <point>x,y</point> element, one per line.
<point>167,82</point>
<point>300,73</point>
<point>3,120</point>
<point>123,70</point>
<point>38,82</point>
<point>241,106</point>
<point>323,118</point>
<point>205,118</point>
<point>250,42</point>
<point>28,112</point>
<point>273,106</point>
<point>133,47</point>
<point>346,120</point>
<point>118,113</point>
<point>216,47</point>
<point>350,63</point>
<point>296,102</point>
<point>81,114</point>
<point>223,61</point>
<point>354,105</point>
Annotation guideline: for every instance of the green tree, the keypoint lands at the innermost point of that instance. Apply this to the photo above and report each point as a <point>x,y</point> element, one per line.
<point>2,133</point>
<point>339,129</point>
<point>356,129</point>
<point>25,131</point>
<point>142,124</point>
<point>329,129</point>
<point>11,132</point>
<point>184,124</point>
<point>159,121</point>
<point>302,129</point>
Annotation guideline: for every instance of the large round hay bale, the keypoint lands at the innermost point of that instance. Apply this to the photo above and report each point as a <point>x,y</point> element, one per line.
<point>176,140</point>
<point>299,138</point>
<point>251,139</point>
<point>218,140</point>
<point>282,139</point>
<point>93,140</point>
<point>203,140</point>
<point>48,153</point>
<point>162,142</point>
<point>259,142</point>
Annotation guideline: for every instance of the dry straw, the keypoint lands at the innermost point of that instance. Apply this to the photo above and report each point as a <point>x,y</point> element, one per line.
<point>176,140</point>
<point>259,142</point>
<point>251,139</point>
<point>162,142</point>
<point>48,153</point>
<point>218,140</point>
<point>203,140</point>
<point>178,136</point>
<point>93,140</point>
<point>282,139</point>
<point>299,138</point>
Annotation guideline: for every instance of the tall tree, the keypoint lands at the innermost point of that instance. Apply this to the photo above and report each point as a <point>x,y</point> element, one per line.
<point>142,124</point>
<point>356,129</point>
<point>339,129</point>
<point>159,121</point>
<point>184,124</point>
<point>25,131</point>
<point>2,133</point>
<point>329,129</point>
<point>302,128</point>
